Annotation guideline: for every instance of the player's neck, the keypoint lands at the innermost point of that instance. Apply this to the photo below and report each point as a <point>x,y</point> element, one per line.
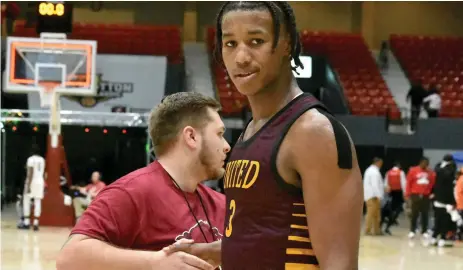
<point>183,172</point>
<point>269,101</point>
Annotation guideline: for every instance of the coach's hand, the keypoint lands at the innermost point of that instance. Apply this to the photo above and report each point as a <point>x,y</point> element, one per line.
<point>210,252</point>
<point>173,260</point>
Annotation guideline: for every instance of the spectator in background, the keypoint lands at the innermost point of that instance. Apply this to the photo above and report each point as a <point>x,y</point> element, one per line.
<point>90,191</point>
<point>383,58</point>
<point>459,200</point>
<point>395,183</point>
<point>373,194</point>
<point>432,102</point>
<point>420,182</point>
<point>416,95</point>
<point>444,200</point>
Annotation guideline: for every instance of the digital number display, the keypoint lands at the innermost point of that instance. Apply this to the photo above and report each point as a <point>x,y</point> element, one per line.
<point>51,9</point>
<point>54,17</point>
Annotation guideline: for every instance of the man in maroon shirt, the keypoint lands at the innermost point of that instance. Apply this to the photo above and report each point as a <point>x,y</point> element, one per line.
<point>132,220</point>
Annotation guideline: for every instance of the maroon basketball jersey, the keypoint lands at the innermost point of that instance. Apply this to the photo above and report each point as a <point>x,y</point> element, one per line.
<point>266,224</point>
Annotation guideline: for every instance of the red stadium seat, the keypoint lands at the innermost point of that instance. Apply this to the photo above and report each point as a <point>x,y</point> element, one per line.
<point>125,38</point>
<point>356,68</point>
<point>434,60</point>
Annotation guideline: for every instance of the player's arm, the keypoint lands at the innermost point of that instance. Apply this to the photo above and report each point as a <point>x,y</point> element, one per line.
<point>410,177</point>
<point>403,181</point>
<point>324,157</point>
<point>29,175</point>
<point>83,252</point>
<point>386,184</point>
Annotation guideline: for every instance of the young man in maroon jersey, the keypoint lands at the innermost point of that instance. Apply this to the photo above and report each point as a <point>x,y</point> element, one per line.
<point>132,220</point>
<point>294,169</point>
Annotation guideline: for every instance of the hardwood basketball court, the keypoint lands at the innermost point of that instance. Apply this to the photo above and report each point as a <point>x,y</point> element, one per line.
<point>29,250</point>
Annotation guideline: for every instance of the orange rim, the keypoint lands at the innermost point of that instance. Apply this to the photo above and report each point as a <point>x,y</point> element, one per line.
<point>85,47</point>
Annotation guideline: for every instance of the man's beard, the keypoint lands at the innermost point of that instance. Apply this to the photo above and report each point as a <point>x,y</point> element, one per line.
<point>205,159</point>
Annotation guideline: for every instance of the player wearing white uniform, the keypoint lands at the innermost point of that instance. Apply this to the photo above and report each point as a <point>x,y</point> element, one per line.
<point>34,189</point>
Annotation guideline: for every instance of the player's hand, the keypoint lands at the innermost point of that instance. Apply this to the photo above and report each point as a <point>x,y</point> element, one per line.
<point>209,252</point>
<point>181,245</point>
<point>180,260</point>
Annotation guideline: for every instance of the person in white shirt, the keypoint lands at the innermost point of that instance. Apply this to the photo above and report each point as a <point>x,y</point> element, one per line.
<point>432,102</point>
<point>34,188</point>
<point>373,193</point>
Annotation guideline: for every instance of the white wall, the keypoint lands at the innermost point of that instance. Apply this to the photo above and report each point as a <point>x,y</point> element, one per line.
<point>124,80</point>
<point>436,155</point>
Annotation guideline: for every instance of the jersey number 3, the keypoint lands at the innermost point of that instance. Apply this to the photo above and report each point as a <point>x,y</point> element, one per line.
<point>229,229</point>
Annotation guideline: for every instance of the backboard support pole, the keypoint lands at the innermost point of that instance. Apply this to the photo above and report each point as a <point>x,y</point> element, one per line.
<point>49,65</point>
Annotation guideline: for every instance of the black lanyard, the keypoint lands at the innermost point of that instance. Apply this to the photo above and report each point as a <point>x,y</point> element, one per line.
<point>193,214</point>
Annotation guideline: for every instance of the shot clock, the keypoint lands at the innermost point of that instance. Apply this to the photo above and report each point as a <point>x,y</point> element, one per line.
<point>54,17</point>
<point>51,9</point>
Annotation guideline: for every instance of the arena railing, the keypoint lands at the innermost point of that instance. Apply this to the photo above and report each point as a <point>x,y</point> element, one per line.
<point>77,118</point>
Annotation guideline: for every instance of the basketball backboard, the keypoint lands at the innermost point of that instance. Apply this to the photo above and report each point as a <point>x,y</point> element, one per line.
<point>50,65</point>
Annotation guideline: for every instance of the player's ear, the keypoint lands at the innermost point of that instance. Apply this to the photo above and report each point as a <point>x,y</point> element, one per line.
<point>190,136</point>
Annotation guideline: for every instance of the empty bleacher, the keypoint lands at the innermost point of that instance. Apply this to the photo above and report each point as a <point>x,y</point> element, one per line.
<point>434,60</point>
<point>124,38</point>
<point>363,85</point>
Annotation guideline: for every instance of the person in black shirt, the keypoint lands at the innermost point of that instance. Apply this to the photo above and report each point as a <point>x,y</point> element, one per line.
<point>416,94</point>
<point>443,198</point>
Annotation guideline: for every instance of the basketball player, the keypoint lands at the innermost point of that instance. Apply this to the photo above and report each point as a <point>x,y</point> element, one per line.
<point>33,188</point>
<point>292,183</point>
<point>134,218</point>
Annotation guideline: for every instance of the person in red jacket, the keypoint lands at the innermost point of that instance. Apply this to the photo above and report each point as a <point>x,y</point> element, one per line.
<point>459,200</point>
<point>420,181</point>
<point>395,183</point>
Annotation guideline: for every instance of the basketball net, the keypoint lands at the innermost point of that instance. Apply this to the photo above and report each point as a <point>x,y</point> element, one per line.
<point>49,98</point>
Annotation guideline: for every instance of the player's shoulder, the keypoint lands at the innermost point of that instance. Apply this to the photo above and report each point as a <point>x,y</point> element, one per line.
<point>317,128</point>
<point>318,123</point>
<point>371,170</point>
<point>324,135</point>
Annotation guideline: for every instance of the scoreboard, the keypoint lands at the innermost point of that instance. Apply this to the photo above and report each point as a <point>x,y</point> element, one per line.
<point>54,17</point>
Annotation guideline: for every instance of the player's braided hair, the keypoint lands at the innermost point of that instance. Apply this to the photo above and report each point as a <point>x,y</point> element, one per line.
<point>277,9</point>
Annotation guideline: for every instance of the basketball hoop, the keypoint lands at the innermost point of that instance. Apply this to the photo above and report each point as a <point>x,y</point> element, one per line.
<point>53,66</point>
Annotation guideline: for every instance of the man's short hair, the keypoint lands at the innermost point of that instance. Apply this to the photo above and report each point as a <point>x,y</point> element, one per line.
<point>448,158</point>
<point>174,113</point>
<point>424,159</point>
